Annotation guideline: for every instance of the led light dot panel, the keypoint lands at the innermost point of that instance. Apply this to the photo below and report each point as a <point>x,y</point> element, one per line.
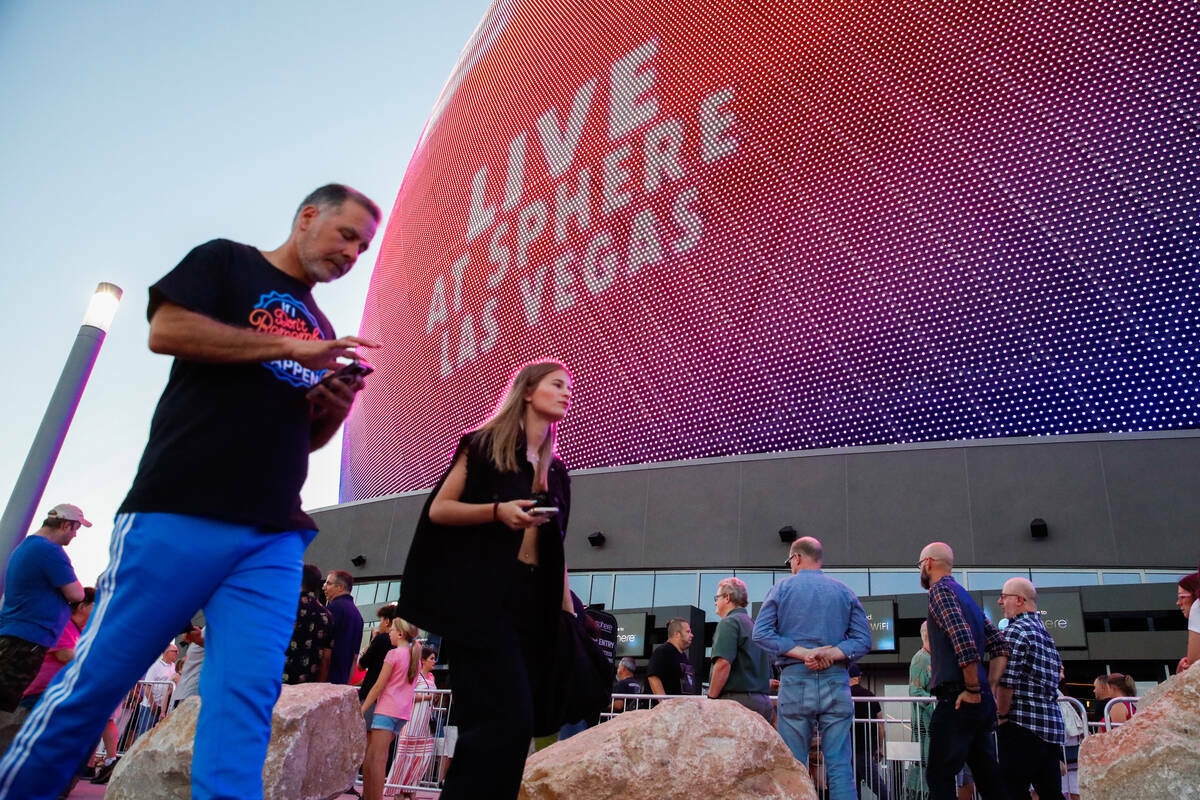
<point>766,226</point>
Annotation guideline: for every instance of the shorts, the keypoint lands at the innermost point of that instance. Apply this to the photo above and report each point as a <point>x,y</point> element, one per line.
<point>382,722</point>
<point>20,661</point>
<point>449,740</point>
<point>1070,781</point>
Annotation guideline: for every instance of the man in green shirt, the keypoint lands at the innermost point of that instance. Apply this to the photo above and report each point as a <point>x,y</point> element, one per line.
<point>741,670</point>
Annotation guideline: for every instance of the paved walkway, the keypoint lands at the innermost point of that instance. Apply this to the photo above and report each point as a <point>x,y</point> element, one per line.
<point>87,790</point>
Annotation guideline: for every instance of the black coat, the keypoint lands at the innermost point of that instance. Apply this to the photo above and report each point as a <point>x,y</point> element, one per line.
<point>455,576</point>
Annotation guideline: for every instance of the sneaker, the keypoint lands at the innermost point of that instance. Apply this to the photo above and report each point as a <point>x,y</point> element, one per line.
<point>105,772</point>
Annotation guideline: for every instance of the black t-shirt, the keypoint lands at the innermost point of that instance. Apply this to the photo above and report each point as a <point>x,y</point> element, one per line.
<point>674,670</point>
<point>865,745</point>
<point>628,685</point>
<point>231,441</point>
<point>372,662</point>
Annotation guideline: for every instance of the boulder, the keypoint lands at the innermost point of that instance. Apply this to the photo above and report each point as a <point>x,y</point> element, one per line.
<point>1154,755</point>
<point>318,740</point>
<point>681,750</point>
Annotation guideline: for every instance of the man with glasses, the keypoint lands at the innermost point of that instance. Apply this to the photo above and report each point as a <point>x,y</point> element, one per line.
<point>1031,731</point>
<point>965,715</point>
<point>815,627</point>
<point>741,670</point>
<point>347,627</point>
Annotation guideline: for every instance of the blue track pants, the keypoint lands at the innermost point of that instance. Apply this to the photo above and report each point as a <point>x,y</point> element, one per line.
<point>162,568</point>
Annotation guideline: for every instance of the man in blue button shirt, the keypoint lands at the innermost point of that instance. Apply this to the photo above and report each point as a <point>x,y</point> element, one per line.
<point>815,627</point>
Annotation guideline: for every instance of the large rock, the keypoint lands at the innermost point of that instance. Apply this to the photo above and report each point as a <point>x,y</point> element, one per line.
<point>318,740</point>
<point>1154,755</point>
<point>681,750</point>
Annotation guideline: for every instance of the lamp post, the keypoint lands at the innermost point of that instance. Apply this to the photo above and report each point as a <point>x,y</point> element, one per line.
<point>31,482</point>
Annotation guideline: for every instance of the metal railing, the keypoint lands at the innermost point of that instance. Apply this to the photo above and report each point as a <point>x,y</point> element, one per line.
<point>424,746</point>
<point>143,707</point>
<point>896,743</point>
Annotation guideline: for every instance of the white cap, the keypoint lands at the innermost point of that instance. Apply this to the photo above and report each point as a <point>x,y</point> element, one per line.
<point>68,512</point>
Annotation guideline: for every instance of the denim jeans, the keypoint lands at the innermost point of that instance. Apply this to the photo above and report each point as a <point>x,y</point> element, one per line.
<point>821,701</point>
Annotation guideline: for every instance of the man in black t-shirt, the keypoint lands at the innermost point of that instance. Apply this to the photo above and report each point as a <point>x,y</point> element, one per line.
<point>869,736</point>
<point>626,683</point>
<point>213,519</point>
<point>670,672</point>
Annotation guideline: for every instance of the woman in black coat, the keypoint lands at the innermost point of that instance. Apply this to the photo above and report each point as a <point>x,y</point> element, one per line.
<point>487,572</point>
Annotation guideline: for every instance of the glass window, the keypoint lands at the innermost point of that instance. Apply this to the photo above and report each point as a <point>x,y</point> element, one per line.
<point>985,580</point>
<point>856,579</point>
<point>361,591</point>
<point>708,589</point>
<point>633,590</point>
<point>1044,579</point>
<point>581,585</point>
<point>602,586</point>
<point>1115,578</point>
<point>674,589</point>
<point>895,581</point>
<point>1153,576</point>
<point>393,592</point>
<point>757,584</point>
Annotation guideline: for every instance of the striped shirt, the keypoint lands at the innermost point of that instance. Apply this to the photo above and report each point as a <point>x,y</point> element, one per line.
<point>1032,674</point>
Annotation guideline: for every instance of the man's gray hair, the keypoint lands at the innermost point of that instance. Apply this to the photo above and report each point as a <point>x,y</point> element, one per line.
<point>334,195</point>
<point>341,578</point>
<point>735,590</point>
<point>628,663</point>
<point>809,548</point>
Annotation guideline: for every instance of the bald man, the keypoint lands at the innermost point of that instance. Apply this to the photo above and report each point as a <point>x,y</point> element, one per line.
<point>1031,732</point>
<point>965,714</point>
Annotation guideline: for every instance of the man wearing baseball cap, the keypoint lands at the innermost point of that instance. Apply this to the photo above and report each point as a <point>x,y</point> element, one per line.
<point>40,586</point>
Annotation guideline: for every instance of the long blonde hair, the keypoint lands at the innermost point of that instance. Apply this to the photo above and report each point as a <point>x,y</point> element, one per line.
<point>410,632</point>
<point>500,433</point>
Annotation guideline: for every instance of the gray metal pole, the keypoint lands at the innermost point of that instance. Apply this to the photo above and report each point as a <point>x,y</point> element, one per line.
<point>43,453</point>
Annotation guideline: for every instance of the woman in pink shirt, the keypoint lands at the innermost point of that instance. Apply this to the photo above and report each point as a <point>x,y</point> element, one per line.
<point>393,698</point>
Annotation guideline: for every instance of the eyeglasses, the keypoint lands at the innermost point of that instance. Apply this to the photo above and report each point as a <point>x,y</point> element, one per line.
<point>717,597</point>
<point>1003,595</point>
<point>788,563</point>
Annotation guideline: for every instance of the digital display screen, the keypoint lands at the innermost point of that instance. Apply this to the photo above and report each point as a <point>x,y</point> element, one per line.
<point>631,635</point>
<point>779,226</point>
<point>1061,612</point>
<point>881,616</point>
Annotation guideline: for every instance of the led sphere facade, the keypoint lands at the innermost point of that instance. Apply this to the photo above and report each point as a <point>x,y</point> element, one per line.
<point>774,226</point>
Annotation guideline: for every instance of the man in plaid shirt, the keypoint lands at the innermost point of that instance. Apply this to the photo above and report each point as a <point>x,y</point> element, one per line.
<point>965,715</point>
<point>1031,725</point>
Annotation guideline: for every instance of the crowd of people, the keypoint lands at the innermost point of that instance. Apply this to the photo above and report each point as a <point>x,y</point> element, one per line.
<point>258,369</point>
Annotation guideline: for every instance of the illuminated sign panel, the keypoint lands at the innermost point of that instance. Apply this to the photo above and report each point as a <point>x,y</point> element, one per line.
<point>881,616</point>
<point>779,226</point>
<point>1061,613</point>
<point>631,635</point>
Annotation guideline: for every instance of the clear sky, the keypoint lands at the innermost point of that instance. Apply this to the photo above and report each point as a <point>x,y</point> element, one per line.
<point>133,131</point>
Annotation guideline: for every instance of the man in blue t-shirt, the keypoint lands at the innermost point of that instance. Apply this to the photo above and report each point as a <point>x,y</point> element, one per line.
<point>40,586</point>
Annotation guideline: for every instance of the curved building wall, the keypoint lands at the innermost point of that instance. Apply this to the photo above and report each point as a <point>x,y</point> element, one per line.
<point>1114,501</point>
<point>787,226</point>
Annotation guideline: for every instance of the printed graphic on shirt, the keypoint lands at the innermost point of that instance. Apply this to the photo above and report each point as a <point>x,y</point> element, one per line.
<point>283,315</point>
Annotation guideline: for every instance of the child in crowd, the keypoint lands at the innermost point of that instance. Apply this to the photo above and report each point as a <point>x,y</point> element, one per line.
<point>392,696</point>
